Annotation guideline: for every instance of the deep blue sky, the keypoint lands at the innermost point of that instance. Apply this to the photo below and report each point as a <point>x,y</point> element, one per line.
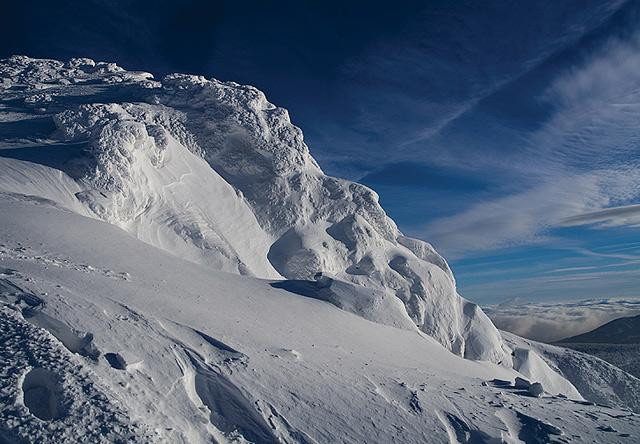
<point>497,130</point>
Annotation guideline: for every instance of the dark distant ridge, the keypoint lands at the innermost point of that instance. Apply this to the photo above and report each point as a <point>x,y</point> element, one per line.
<point>619,331</point>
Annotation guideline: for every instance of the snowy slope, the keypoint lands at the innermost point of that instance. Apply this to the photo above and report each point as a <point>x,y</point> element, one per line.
<point>595,379</point>
<point>138,221</point>
<point>214,173</point>
<point>138,344</point>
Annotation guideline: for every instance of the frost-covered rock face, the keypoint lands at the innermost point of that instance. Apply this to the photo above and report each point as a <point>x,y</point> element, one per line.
<point>139,177</point>
<point>213,172</point>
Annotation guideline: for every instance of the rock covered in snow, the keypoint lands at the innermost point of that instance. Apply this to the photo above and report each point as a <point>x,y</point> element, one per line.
<point>139,177</point>
<point>215,173</point>
<point>536,389</point>
<point>521,383</point>
<point>531,365</point>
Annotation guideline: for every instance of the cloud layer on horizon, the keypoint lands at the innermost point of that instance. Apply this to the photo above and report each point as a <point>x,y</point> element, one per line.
<point>551,322</point>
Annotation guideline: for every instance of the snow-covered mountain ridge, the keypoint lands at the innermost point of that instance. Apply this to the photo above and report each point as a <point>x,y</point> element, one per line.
<point>214,173</point>
<point>217,327</point>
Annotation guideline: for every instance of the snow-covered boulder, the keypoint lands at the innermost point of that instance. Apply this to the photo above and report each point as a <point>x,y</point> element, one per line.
<point>536,389</point>
<point>138,176</point>
<point>531,365</point>
<point>521,383</point>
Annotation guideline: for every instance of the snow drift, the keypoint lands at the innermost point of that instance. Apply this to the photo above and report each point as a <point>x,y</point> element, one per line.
<point>123,342</point>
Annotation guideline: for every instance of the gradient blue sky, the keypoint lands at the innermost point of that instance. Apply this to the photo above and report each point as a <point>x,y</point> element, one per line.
<point>505,133</point>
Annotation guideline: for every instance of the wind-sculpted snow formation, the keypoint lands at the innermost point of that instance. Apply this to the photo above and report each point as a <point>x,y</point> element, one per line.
<point>213,172</point>
<point>254,298</point>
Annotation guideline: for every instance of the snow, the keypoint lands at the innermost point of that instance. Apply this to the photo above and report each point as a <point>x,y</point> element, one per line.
<point>48,395</point>
<point>160,247</point>
<point>530,364</point>
<point>290,367</point>
<point>595,379</point>
<point>212,172</point>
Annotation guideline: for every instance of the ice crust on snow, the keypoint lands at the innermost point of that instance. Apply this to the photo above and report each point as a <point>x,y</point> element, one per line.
<point>213,172</point>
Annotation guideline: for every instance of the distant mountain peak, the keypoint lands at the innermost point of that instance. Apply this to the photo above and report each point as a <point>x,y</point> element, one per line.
<point>619,331</point>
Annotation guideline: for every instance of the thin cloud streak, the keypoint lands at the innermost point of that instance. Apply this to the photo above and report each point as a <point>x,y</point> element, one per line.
<point>421,89</point>
<point>516,219</point>
<point>592,267</point>
<point>615,216</point>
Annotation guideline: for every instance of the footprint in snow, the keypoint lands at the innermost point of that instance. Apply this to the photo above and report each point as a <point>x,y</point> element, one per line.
<point>116,361</point>
<point>42,394</point>
<point>606,428</point>
<point>8,272</point>
<point>286,353</point>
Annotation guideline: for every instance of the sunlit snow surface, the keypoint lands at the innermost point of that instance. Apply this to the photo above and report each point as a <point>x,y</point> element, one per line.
<point>158,248</point>
<point>214,173</point>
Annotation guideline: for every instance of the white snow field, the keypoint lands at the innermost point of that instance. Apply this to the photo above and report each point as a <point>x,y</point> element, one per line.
<point>175,267</point>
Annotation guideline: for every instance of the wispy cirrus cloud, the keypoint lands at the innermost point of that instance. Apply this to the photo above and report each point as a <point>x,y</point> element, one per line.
<point>517,219</point>
<point>405,89</point>
<point>609,217</point>
<point>581,165</point>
